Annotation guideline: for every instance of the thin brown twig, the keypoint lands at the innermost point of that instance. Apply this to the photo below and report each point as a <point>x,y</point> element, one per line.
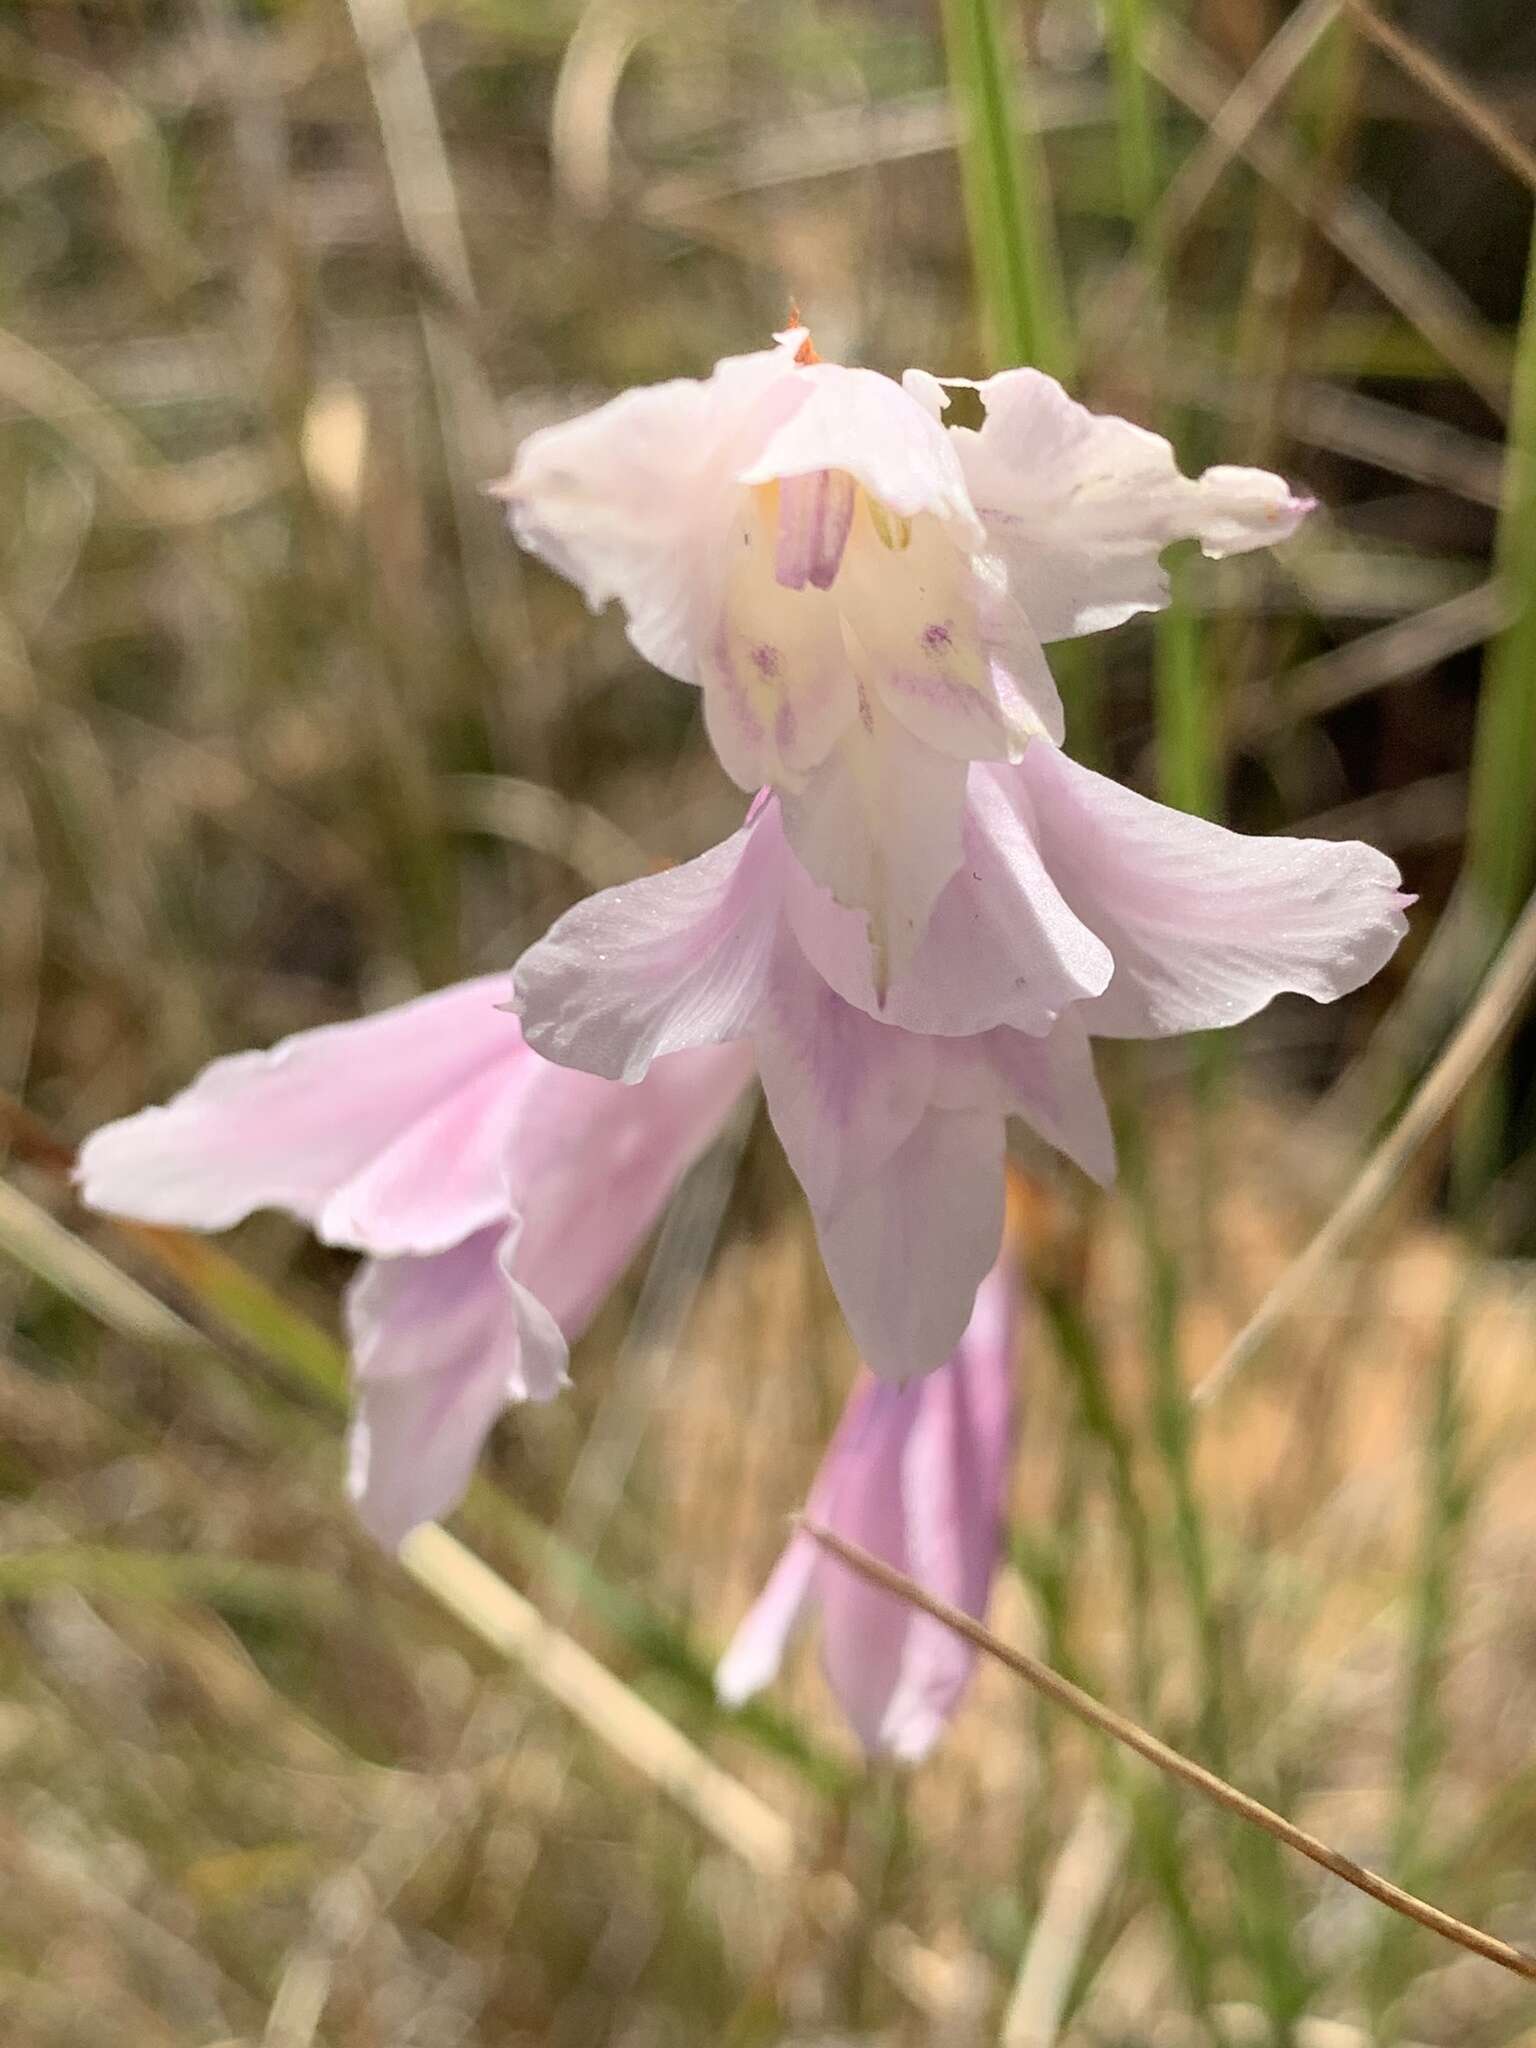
<point>1504,991</point>
<point>1468,107</point>
<point>1364,235</point>
<point>1248,103</point>
<point>1063,1693</point>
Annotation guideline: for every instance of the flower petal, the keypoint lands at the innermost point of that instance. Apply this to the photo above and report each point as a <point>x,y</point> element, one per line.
<point>592,1164</point>
<point>1002,945</point>
<point>631,501</point>
<point>440,1347</point>
<point>385,1133</point>
<point>778,687</point>
<point>954,1485</point>
<point>907,1251</point>
<point>844,1091</point>
<point>861,422</point>
<point>878,824</point>
<point>912,616</point>
<point>864,1629</point>
<point>756,1651</point>
<point>1050,1083</point>
<point>670,961</point>
<point>1206,926</point>
<point>1079,505</point>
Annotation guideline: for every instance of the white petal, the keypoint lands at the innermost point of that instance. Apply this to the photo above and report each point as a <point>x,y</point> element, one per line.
<point>632,501</point>
<point>1079,505</point>
<point>913,615</point>
<point>861,422</point>
<point>907,1252</point>
<point>1206,926</point>
<point>671,961</point>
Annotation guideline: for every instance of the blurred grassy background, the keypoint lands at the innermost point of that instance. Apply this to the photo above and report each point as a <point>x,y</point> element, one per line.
<point>287,726</point>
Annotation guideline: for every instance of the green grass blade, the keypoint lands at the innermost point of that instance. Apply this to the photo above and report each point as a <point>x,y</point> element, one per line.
<point>1135,127</point>
<point>1501,824</point>
<point>1500,869</point>
<point>1013,243</point>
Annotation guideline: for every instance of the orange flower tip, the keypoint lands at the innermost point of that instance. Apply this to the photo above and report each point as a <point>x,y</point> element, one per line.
<point>794,324</point>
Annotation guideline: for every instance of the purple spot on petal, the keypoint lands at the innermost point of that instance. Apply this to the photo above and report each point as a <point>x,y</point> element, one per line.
<point>939,637</point>
<point>767,661</point>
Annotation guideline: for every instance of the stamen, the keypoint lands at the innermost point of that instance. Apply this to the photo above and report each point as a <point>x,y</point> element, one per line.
<point>894,531</point>
<point>815,514</point>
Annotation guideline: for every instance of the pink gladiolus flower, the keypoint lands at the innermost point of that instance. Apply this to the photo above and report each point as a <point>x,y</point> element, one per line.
<point>918,1475</point>
<point>862,593</point>
<point>497,1198</point>
<point>1079,907</point>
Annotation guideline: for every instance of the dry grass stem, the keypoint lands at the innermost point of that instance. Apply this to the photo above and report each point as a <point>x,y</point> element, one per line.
<point>1469,107</point>
<point>1499,1003</point>
<point>626,1724</point>
<point>1075,1891</point>
<point>1107,1722</point>
<point>1357,227</point>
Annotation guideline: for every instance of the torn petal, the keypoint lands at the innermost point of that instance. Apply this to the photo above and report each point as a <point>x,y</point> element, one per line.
<point>1078,506</point>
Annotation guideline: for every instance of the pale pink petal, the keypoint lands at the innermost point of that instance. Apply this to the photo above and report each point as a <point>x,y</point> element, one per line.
<point>1002,946</point>
<point>440,1346</point>
<point>632,501</point>
<point>592,1164</point>
<point>654,966</point>
<point>755,1653</point>
<point>879,825</point>
<point>385,1134</point>
<point>1206,926</point>
<point>844,1091</point>
<point>1079,505</point>
<point>918,1475</point>
<point>954,1486</point>
<point>1050,1083</point>
<point>1022,683</point>
<point>865,1630</point>
<point>861,422</point>
<point>907,1251</point>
